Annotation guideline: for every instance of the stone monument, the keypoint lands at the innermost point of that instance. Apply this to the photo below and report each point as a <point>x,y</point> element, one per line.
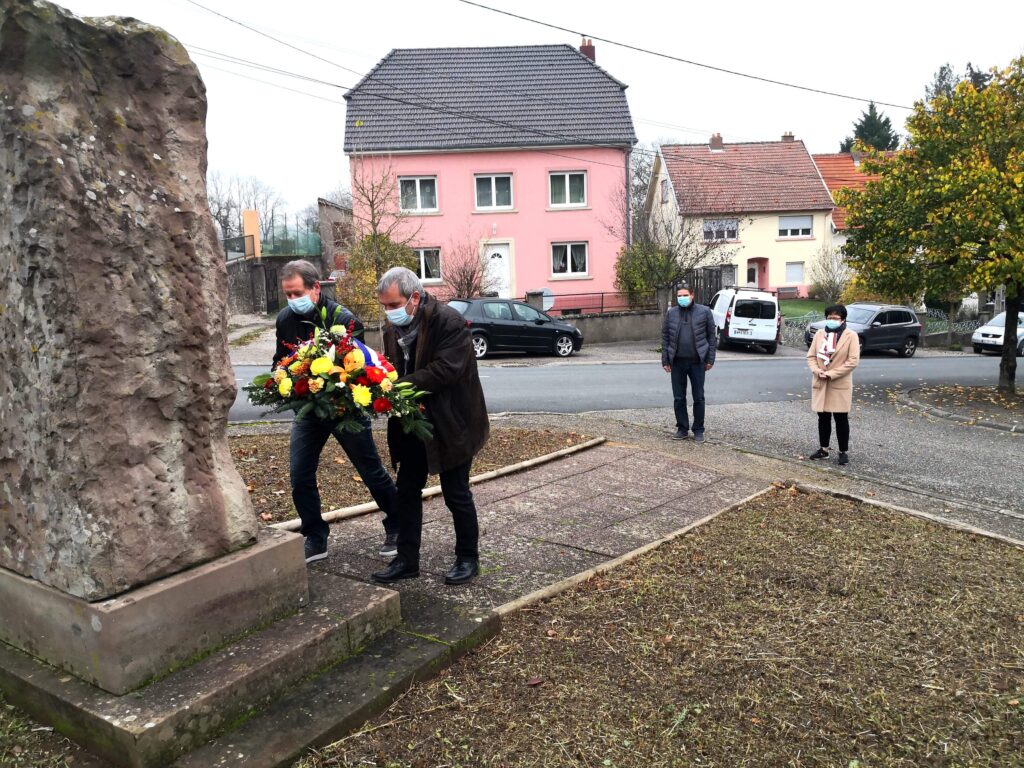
<point>128,544</point>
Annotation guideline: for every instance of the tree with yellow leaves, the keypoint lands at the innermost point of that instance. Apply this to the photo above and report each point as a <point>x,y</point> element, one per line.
<point>946,214</point>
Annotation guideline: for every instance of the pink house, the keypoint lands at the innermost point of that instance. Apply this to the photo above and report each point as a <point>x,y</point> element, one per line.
<point>516,155</point>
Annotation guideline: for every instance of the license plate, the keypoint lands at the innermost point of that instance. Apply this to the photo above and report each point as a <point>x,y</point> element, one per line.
<point>742,330</point>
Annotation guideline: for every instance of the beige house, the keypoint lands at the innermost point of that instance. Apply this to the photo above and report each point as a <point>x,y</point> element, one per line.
<point>765,200</point>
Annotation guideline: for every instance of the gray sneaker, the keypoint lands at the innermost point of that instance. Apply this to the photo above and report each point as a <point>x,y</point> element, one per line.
<point>390,546</point>
<point>681,434</point>
<point>698,437</point>
<point>315,549</point>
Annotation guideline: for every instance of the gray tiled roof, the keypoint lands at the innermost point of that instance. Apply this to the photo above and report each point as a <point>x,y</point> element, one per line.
<point>472,98</point>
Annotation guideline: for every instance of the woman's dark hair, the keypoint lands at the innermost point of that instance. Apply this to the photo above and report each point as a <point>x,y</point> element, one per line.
<point>836,309</point>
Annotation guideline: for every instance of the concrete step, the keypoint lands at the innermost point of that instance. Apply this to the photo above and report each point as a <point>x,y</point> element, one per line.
<point>434,633</point>
<point>167,718</point>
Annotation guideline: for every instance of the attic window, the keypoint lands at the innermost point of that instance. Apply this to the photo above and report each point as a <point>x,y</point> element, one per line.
<point>664,191</point>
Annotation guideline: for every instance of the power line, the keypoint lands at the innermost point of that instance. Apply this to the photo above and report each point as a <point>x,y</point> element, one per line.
<point>464,114</point>
<point>669,56</point>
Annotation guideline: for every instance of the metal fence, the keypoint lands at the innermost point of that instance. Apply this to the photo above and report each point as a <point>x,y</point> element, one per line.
<point>793,329</point>
<point>571,304</point>
<point>243,247</point>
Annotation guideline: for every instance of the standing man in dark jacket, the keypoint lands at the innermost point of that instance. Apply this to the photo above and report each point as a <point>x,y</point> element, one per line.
<point>688,343</point>
<point>430,346</point>
<point>300,282</point>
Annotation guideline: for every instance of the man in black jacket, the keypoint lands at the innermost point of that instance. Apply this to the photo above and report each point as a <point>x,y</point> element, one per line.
<point>300,282</point>
<point>688,343</point>
<point>430,346</point>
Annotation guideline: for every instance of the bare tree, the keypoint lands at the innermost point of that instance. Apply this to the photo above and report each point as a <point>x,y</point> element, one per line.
<point>254,195</point>
<point>663,245</point>
<point>829,273</point>
<point>340,195</point>
<point>223,204</point>
<point>463,270</point>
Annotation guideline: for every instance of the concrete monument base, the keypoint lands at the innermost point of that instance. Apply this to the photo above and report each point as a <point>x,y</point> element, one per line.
<point>170,717</point>
<point>120,643</point>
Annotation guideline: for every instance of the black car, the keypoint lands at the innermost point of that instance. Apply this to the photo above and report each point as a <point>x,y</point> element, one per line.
<point>879,326</point>
<point>502,325</point>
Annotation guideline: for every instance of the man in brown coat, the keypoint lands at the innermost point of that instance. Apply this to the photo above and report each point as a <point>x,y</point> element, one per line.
<point>832,356</point>
<point>430,347</point>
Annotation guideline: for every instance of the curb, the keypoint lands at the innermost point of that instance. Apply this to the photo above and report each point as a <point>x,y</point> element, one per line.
<point>344,513</point>
<point>904,398</point>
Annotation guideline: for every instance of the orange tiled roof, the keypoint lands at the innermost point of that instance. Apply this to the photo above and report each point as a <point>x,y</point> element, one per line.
<point>754,177</point>
<point>840,172</point>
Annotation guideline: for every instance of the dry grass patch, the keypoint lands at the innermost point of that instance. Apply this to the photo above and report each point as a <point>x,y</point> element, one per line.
<point>797,631</point>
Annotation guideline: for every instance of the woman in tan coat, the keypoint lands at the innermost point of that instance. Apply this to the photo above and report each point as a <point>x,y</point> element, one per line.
<point>832,356</point>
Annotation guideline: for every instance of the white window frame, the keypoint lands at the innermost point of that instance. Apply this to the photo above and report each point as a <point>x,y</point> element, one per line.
<point>565,175</point>
<point>419,207</point>
<point>422,268</point>
<point>568,259</point>
<point>803,271</point>
<point>494,192</point>
<point>787,233</point>
<point>713,226</point>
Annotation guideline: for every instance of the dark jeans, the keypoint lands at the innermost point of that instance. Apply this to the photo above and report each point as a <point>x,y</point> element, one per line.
<point>412,476</point>
<point>842,429</point>
<point>683,369</point>
<point>309,436</point>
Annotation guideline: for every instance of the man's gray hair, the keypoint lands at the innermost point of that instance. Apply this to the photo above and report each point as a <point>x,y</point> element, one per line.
<point>300,267</point>
<point>406,280</point>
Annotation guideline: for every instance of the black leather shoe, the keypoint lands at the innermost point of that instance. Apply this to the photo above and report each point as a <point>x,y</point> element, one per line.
<point>462,572</point>
<point>396,571</point>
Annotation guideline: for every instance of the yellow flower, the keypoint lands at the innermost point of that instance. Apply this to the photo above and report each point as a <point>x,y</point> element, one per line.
<point>285,387</point>
<point>320,366</point>
<point>294,367</point>
<point>280,375</point>
<point>315,385</point>
<point>354,360</point>
<point>339,330</point>
<point>338,370</point>
<point>304,351</point>
<point>361,395</point>
<point>392,375</point>
<point>387,385</point>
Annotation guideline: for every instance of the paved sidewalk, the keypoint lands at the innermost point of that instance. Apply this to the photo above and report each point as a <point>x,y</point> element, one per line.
<point>546,524</point>
<point>972,406</point>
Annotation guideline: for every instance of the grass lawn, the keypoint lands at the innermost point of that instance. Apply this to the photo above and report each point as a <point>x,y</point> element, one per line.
<point>799,630</point>
<point>801,307</point>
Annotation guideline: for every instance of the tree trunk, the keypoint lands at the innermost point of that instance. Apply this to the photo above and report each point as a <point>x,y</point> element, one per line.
<point>950,319</point>
<point>1008,363</point>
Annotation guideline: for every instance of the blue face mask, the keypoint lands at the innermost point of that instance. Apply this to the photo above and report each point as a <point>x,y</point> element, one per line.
<point>833,325</point>
<point>303,305</point>
<point>399,316</point>
<point>683,301</point>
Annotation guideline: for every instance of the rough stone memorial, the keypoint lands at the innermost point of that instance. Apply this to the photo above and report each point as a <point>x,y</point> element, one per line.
<point>130,555</point>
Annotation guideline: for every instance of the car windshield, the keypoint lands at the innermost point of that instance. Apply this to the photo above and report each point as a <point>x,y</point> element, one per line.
<point>459,306</point>
<point>860,315</point>
<point>999,321</point>
<point>755,310</point>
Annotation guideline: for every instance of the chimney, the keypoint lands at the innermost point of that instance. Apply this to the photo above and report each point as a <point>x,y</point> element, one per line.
<point>716,144</point>
<point>588,50</point>
<point>787,136</point>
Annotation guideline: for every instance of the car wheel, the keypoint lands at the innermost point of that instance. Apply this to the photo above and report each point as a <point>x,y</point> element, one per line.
<point>977,350</point>
<point>1020,349</point>
<point>909,347</point>
<point>563,345</point>
<point>771,348</point>
<point>479,345</point>
<point>722,341</point>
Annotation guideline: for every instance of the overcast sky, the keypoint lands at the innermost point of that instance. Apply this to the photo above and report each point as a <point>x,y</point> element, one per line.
<point>886,51</point>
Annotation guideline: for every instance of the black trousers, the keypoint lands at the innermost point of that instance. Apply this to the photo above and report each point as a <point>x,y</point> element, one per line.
<point>412,476</point>
<point>842,429</point>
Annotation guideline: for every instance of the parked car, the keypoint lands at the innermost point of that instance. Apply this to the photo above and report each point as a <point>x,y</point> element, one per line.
<point>501,325</point>
<point>990,336</point>
<point>879,326</point>
<point>747,316</point>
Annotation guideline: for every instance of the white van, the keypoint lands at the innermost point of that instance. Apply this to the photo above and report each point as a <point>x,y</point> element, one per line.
<point>747,316</point>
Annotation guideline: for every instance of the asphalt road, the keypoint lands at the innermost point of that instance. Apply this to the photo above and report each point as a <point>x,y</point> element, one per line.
<point>579,387</point>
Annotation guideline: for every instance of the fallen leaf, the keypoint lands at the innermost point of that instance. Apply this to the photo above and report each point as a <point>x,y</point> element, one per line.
<point>357,478</point>
<point>552,633</point>
<point>535,681</point>
<point>266,517</point>
<point>339,460</point>
<point>250,488</point>
<point>1014,702</point>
